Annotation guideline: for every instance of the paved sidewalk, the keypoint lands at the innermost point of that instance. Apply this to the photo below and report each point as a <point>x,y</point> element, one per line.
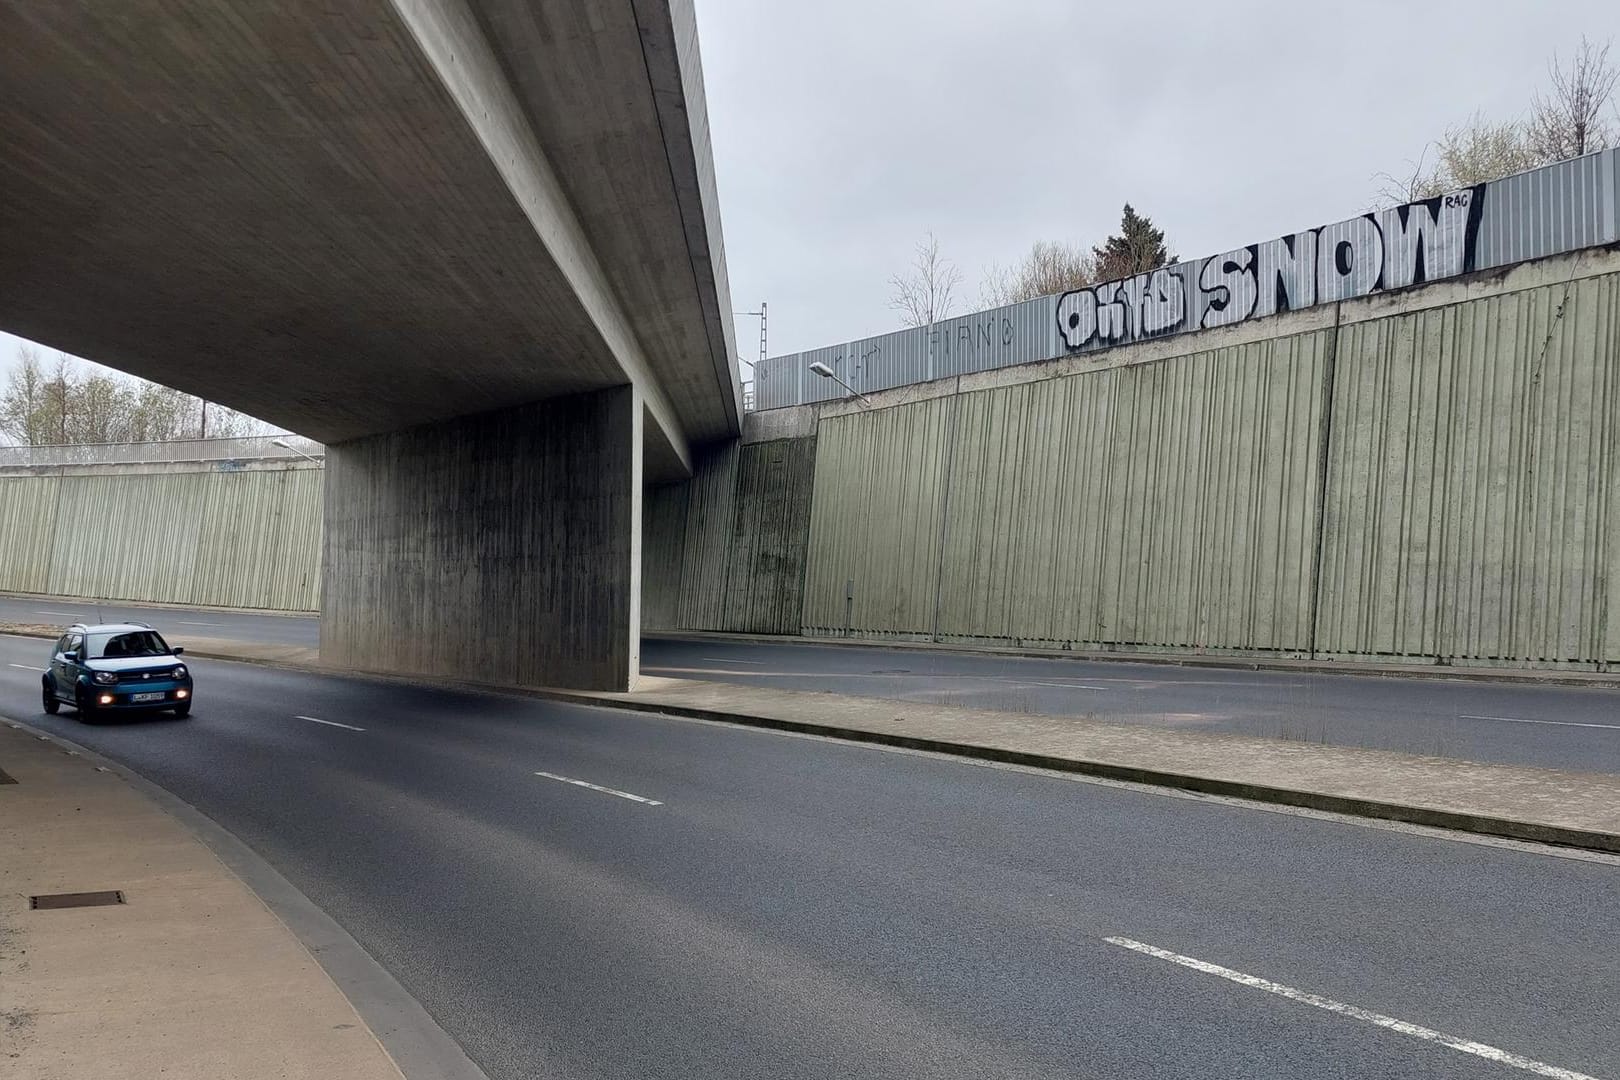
<point>191,977</point>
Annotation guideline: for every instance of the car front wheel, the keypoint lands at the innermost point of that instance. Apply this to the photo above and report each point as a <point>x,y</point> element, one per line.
<point>48,700</point>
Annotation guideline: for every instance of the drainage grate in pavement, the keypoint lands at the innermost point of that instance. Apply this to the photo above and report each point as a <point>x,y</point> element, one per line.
<point>4,779</point>
<point>75,899</point>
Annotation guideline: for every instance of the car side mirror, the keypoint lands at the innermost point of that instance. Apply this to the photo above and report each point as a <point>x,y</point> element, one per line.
<point>71,657</point>
<point>178,650</point>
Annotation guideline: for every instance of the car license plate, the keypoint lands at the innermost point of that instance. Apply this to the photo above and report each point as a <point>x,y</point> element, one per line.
<point>158,696</point>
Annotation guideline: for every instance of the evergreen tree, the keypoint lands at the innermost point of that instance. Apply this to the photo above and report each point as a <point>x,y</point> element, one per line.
<point>1137,247</point>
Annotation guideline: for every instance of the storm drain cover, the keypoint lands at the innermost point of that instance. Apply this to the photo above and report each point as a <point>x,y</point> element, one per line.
<point>75,899</point>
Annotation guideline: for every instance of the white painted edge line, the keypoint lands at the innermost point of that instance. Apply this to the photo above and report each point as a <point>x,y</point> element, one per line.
<point>728,660</point>
<point>329,723</point>
<point>1068,686</point>
<point>598,787</point>
<point>1522,720</point>
<point>26,667</point>
<point>1467,1046</point>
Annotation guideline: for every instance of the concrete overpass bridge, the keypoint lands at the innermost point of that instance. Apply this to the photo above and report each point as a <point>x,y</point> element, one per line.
<point>471,245</point>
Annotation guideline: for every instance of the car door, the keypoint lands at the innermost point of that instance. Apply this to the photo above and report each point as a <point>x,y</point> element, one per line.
<point>62,671</point>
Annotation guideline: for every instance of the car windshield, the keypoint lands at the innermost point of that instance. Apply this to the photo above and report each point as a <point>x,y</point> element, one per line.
<point>125,643</point>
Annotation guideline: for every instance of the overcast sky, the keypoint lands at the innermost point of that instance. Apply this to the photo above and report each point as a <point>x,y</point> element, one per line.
<point>844,130</point>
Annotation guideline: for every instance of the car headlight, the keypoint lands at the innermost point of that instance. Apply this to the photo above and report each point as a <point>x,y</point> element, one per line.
<point>179,672</point>
<point>105,678</point>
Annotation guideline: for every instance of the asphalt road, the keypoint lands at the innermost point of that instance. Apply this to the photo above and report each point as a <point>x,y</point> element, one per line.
<point>1551,727</point>
<point>178,623</point>
<point>793,907</point>
<point>1554,727</point>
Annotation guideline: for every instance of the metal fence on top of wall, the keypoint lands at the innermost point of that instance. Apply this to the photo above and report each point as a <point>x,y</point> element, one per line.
<point>1563,207</point>
<point>254,447</point>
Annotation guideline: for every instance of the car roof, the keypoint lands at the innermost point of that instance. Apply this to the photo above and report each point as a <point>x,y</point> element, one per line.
<point>108,628</point>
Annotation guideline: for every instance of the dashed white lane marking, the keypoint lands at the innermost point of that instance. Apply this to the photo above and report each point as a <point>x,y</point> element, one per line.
<point>599,787</point>
<point>727,660</point>
<point>64,614</point>
<point>1555,723</point>
<point>1467,1046</point>
<point>329,723</point>
<point>183,622</point>
<point>26,667</point>
<point>1068,686</point>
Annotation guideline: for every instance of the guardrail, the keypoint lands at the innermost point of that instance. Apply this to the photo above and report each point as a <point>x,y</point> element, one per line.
<point>267,446</point>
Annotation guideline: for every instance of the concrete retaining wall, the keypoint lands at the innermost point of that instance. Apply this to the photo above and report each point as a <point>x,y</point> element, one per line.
<point>1428,474</point>
<point>725,550</point>
<point>209,534</point>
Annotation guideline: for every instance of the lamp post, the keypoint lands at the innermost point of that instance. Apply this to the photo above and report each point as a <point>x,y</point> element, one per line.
<point>828,373</point>
<point>285,445</point>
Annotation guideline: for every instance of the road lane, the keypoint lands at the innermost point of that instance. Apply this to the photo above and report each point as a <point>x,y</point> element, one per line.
<point>178,623</point>
<point>798,907</point>
<point>1547,726</point>
<point>1578,728</point>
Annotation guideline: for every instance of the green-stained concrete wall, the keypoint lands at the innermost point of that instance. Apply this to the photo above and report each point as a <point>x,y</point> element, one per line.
<point>725,550</point>
<point>195,533</point>
<point>1430,474</point>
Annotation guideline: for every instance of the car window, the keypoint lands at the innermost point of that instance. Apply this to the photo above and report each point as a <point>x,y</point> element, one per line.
<point>127,643</point>
<point>62,644</point>
<point>75,643</point>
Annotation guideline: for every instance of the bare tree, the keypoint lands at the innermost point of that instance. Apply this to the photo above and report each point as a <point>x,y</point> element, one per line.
<point>1569,120</point>
<point>67,405</point>
<point>1565,122</point>
<point>1049,268</point>
<point>1467,154</point>
<point>23,414</point>
<point>924,293</point>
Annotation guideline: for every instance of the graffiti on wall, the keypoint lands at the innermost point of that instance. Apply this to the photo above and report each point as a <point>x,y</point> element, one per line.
<point>1386,249</point>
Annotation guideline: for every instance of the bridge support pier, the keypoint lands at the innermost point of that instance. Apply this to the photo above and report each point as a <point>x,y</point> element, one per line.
<point>503,547</point>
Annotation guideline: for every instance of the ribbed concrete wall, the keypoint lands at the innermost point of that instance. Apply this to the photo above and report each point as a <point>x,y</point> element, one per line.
<point>207,536</point>
<point>725,550</point>
<point>1427,474</point>
<point>1159,504</point>
<point>1472,480</point>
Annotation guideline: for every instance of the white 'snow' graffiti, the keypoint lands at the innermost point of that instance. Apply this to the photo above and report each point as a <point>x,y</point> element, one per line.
<point>1386,249</point>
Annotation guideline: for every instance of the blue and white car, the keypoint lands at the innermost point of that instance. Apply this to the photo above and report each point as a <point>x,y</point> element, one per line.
<point>116,667</point>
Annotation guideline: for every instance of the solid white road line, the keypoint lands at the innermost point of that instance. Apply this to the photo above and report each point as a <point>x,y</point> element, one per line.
<point>1467,1046</point>
<point>598,787</point>
<point>26,667</point>
<point>329,723</point>
<point>1555,723</point>
<point>1068,686</point>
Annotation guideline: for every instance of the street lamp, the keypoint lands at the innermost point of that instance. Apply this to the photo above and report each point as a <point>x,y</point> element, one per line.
<point>828,373</point>
<point>285,445</point>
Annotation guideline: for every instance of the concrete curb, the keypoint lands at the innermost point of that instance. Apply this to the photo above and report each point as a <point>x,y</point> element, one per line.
<point>420,1048</point>
<point>1507,828</point>
<point>1483,825</point>
<point>1597,680</point>
<point>164,605</point>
